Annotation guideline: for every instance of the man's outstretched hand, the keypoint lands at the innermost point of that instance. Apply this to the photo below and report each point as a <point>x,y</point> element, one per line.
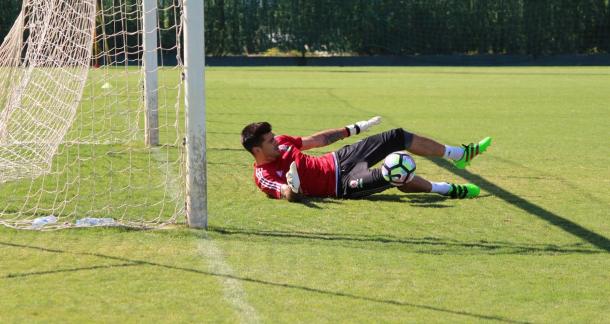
<point>363,126</point>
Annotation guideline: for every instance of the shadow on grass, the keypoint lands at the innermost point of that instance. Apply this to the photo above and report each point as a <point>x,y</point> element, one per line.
<point>39,273</point>
<point>563,223</point>
<point>416,200</point>
<point>313,202</point>
<point>130,262</point>
<point>432,245</point>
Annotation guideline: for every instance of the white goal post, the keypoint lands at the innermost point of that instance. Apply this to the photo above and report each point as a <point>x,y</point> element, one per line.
<point>102,114</point>
<point>150,66</point>
<point>194,58</point>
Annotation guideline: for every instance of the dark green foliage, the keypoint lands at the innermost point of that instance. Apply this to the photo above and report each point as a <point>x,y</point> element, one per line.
<point>398,27</point>
<point>535,27</point>
<point>9,10</point>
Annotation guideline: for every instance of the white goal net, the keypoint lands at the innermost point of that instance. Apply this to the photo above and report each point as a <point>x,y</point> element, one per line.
<point>91,114</point>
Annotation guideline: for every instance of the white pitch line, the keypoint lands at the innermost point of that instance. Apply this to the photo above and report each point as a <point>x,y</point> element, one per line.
<point>232,289</point>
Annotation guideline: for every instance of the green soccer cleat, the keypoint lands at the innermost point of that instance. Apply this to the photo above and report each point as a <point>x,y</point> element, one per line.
<point>471,151</point>
<point>463,191</point>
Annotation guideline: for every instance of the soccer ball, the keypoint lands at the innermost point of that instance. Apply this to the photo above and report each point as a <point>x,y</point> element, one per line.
<point>398,168</point>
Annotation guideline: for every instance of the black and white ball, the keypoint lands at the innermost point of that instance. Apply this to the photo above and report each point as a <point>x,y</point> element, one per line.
<point>398,168</point>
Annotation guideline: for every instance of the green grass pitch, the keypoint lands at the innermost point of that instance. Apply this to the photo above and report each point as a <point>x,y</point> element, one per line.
<point>533,248</point>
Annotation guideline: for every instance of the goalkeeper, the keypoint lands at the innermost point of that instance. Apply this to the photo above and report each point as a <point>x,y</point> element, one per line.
<point>283,171</point>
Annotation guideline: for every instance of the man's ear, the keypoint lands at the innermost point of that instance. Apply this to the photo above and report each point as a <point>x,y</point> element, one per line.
<point>256,150</point>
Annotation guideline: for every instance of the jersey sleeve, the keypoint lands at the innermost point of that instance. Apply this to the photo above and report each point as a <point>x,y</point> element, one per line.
<point>285,139</point>
<point>269,183</point>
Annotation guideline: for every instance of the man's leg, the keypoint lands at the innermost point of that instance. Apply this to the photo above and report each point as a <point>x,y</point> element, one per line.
<point>460,155</point>
<point>362,182</point>
<point>424,146</point>
<point>451,190</point>
<point>375,148</point>
<point>372,149</point>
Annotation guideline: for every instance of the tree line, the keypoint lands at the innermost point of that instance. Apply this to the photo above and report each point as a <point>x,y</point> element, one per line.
<point>404,27</point>
<point>394,27</point>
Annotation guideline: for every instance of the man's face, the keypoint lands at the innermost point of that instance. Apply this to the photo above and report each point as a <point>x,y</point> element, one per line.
<point>269,147</point>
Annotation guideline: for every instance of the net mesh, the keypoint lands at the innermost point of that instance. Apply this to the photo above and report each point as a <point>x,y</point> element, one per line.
<point>72,115</point>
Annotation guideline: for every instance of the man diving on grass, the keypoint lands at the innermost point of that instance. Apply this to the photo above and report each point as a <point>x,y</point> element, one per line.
<point>283,171</point>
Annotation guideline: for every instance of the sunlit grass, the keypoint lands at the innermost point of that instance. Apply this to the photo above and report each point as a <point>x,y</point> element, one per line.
<point>533,248</point>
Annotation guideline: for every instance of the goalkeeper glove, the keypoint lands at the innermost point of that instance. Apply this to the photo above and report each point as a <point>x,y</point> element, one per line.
<point>292,178</point>
<point>362,126</point>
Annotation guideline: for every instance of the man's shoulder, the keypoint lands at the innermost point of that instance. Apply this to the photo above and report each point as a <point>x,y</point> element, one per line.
<point>265,168</point>
<point>287,140</point>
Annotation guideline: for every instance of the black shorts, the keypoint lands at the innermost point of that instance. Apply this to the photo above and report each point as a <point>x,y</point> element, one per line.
<point>356,179</point>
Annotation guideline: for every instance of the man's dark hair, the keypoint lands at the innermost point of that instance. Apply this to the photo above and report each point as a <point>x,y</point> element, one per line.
<point>252,135</point>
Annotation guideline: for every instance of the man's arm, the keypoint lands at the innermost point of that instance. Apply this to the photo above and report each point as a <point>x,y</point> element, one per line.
<point>330,136</point>
<point>324,138</point>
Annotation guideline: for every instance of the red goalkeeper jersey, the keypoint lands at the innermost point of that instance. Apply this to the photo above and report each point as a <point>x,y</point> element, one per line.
<point>318,174</point>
